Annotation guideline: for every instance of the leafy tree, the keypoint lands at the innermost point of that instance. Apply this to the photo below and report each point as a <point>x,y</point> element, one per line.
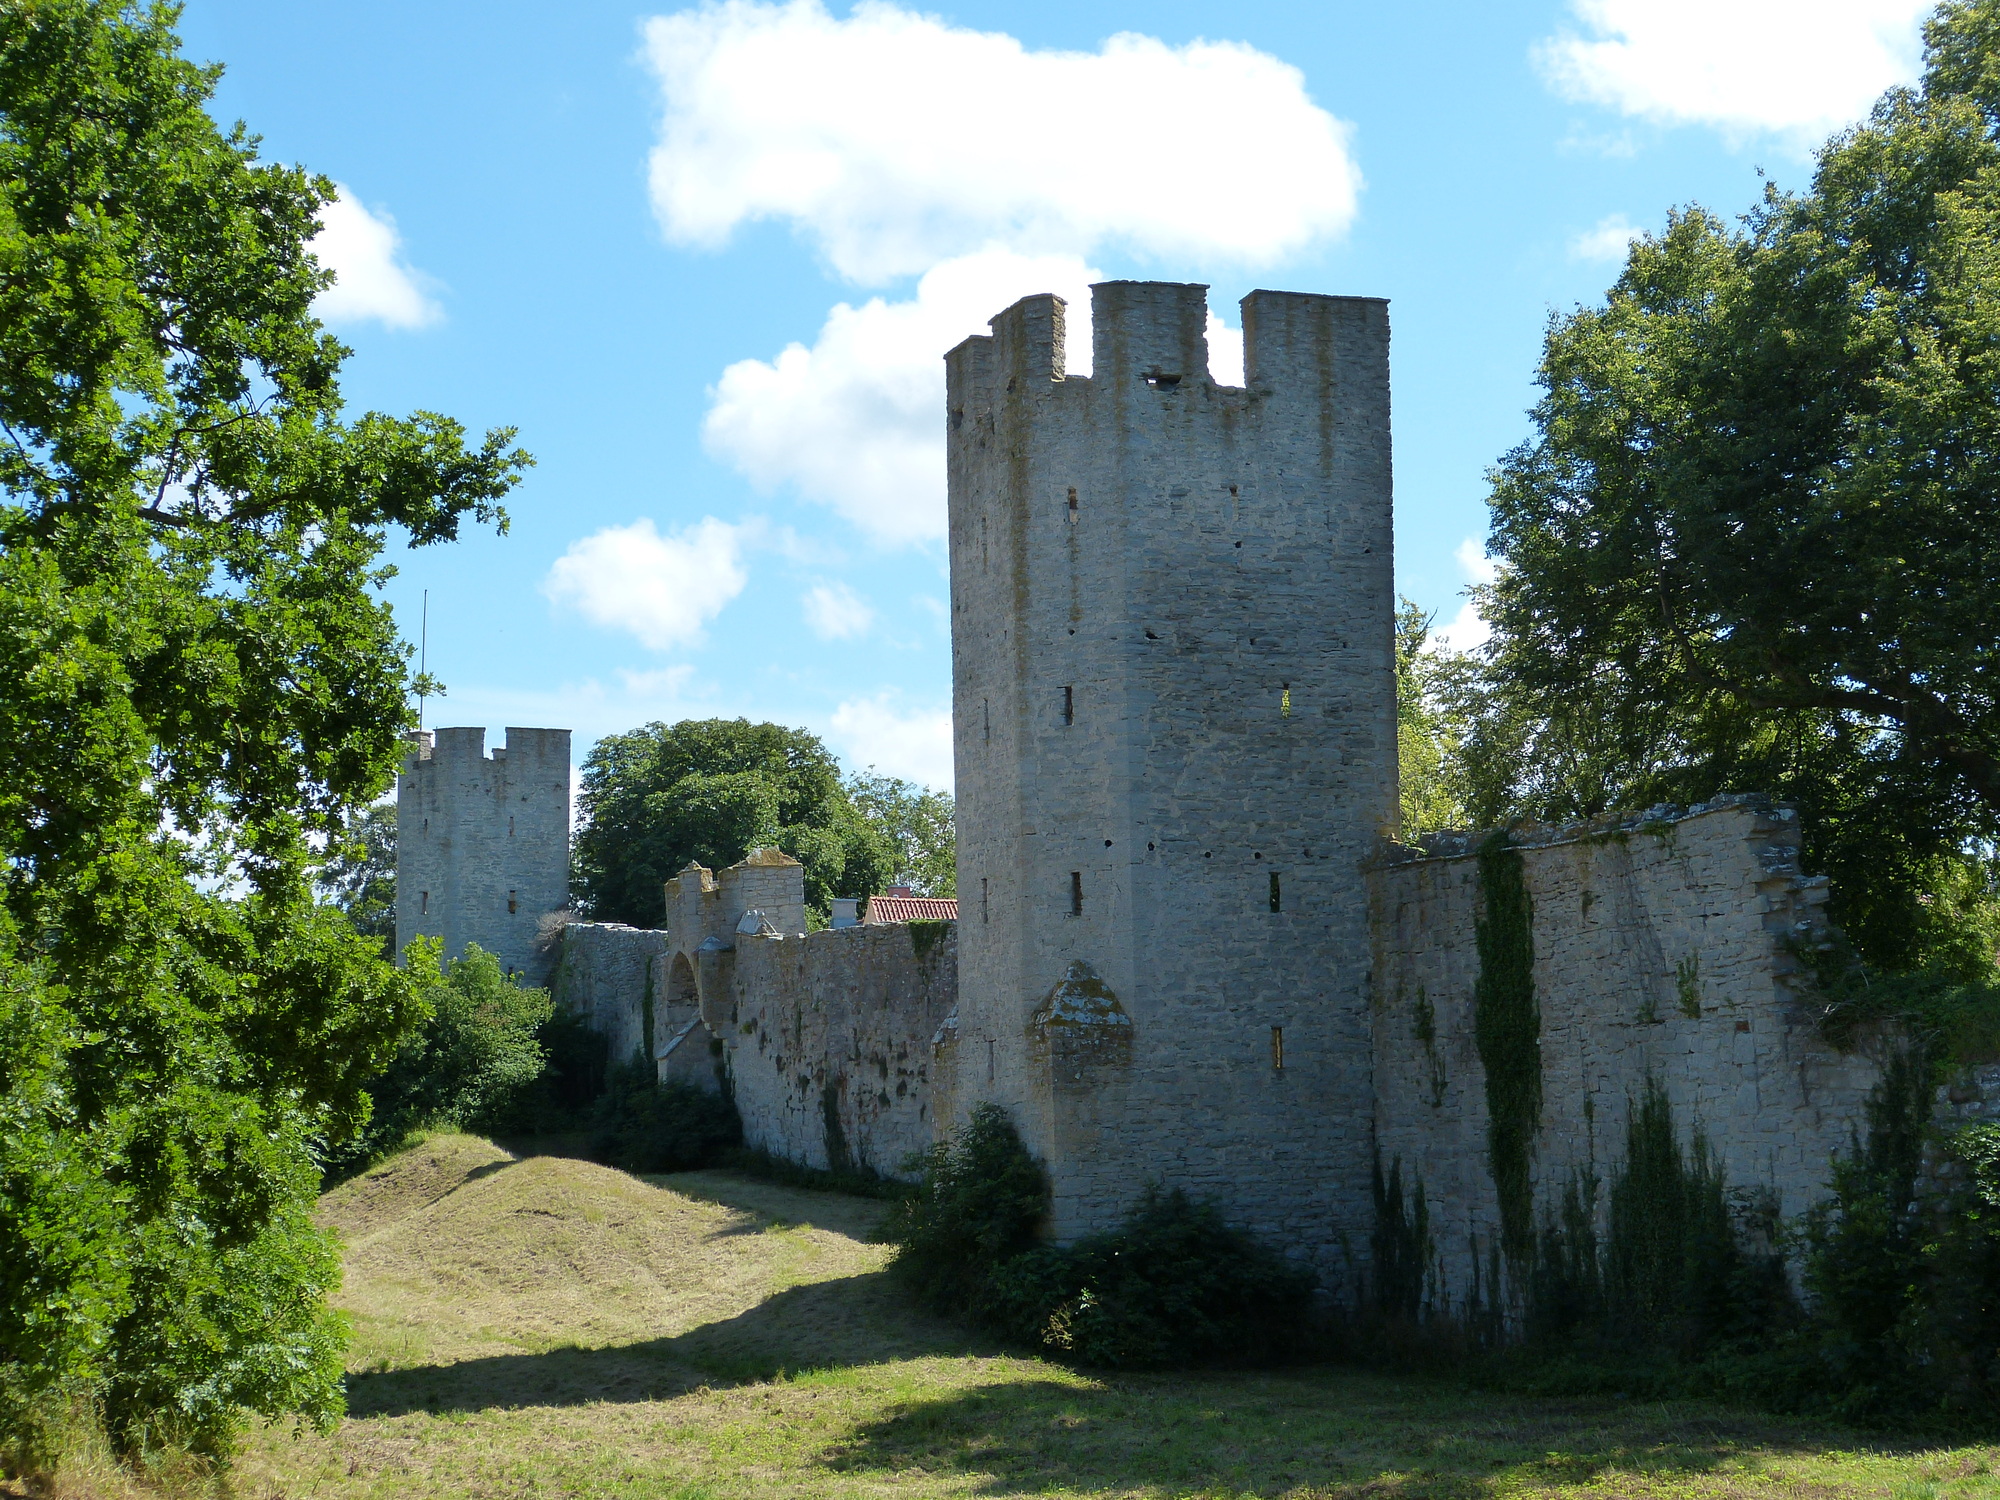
<point>1426,735</point>
<point>918,823</point>
<point>198,683</point>
<point>1755,542</point>
<point>472,1064</point>
<point>360,874</point>
<point>708,791</point>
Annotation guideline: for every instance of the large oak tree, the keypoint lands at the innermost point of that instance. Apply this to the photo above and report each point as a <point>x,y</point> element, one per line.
<point>199,684</point>
<point>1755,542</point>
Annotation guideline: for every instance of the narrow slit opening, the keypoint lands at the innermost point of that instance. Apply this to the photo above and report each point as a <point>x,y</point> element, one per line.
<point>1076,893</point>
<point>1277,897</point>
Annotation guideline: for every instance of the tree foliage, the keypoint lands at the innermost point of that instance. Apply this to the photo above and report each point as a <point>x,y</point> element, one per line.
<point>1427,736</point>
<point>359,874</point>
<point>471,1065</point>
<point>1755,542</point>
<point>198,684</point>
<point>708,791</point>
<point>918,823</point>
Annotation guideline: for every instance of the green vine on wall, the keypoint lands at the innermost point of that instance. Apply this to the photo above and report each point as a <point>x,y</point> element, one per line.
<point>646,1058</point>
<point>1401,1246</point>
<point>925,936</point>
<point>1425,1025</point>
<point>1507,1027</point>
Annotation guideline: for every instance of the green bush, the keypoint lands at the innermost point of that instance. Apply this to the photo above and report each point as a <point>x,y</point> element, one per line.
<point>576,1071</point>
<point>1173,1285</point>
<point>981,1203</point>
<point>1906,1296</point>
<point>1679,1275</point>
<point>640,1125</point>
<point>473,1064</point>
<point>503,1060</point>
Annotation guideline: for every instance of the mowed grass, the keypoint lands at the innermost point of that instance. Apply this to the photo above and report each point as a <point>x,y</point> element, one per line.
<point>545,1326</point>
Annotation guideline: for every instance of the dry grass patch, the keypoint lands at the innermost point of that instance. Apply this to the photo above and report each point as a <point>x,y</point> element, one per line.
<point>549,1327</point>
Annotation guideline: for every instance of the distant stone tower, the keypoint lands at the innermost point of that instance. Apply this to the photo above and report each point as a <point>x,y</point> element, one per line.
<point>1175,735</point>
<point>482,842</point>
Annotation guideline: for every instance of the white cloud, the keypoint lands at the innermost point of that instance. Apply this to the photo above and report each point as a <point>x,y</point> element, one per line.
<point>836,613</point>
<point>894,140</point>
<point>879,732</point>
<point>857,421</point>
<point>1606,241</point>
<point>1471,556</point>
<point>1468,628</point>
<point>1799,68</point>
<point>662,589</point>
<point>1225,352</point>
<point>372,281</point>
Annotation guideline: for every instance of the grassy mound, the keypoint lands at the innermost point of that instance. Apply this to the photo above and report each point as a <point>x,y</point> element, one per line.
<point>547,1326</point>
<point>457,1251</point>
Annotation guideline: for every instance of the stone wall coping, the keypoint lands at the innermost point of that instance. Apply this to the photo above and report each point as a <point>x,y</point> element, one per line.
<point>1465,844</point>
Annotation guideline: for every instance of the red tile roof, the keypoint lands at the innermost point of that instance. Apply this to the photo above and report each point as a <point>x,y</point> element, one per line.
<point>886,909</point>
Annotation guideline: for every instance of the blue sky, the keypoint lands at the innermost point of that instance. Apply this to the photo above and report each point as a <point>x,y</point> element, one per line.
<point>706,260</point>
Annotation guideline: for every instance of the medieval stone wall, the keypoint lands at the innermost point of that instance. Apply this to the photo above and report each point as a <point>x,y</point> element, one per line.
<point>1174,718</point>
<point>825,1040</point>
<point>1665,951</point>
<point>612,975</point>
<point>829,1041</point>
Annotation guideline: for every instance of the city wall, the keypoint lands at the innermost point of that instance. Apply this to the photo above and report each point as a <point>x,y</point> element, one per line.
<point>1667,951</point>
<point>1186,953</point>
<point>825,1040</point>
<point>612,975</point>
<point>829,1041</point>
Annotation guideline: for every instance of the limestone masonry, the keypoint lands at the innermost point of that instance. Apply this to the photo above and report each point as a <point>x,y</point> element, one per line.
<point>482,841</point>
<point>1667,950</point>
<point>1174,731</point>
<point>825,1039</point>
<point>1189,949</point>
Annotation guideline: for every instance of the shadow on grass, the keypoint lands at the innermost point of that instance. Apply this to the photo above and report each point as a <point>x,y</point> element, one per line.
<point>1319,1433</point>
<point>855,1320</point>
<point>1309,1434</point>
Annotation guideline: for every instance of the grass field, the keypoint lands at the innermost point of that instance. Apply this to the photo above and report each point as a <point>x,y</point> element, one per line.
<point>546,1327</point>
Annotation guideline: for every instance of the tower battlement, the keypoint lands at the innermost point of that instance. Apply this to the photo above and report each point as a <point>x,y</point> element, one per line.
<point>482,841</point>
<point>1174,718</point>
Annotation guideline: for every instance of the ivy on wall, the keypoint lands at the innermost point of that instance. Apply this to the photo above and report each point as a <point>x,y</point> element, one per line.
<point>1401,1246</point>
<point>1507,1027</point>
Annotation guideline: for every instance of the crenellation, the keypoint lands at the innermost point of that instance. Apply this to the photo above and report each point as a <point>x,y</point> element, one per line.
<point>482,844</point>
<point>1151,333</point>
<point>1173,700</point>
<point>1192,951</point>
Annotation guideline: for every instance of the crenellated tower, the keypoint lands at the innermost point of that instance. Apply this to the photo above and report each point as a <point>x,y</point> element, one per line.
<point>482,842</point>
<point>1175,735</point>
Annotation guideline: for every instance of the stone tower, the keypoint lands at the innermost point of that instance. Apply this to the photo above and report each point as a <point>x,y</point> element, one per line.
<point>1175,736</point>
<point>482,842</point>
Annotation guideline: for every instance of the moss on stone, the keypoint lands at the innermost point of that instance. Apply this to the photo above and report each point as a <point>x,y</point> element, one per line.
<point>1507,1028</point>
<point>925,937</point>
